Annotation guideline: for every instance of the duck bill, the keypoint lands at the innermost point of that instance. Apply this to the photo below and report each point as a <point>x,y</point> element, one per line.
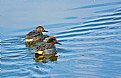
<point>58,43</point>
<point>45,31</point>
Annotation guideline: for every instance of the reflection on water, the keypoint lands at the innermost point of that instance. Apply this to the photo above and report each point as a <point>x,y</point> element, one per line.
<point>45,59</point>
<point>89,31</point>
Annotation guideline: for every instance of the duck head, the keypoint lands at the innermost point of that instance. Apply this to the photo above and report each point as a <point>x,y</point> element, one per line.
<point>52,40</point>
<point>40,29</point>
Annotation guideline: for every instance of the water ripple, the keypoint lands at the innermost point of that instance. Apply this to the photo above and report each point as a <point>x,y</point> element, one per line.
<point>99,5</point>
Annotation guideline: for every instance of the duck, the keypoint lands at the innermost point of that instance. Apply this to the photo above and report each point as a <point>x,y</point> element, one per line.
<point>35,36</point>
<point>48,47</point>
<point>47,51</point>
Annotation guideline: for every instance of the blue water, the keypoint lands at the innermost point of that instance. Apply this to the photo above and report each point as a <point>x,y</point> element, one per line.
<point>89,30</point>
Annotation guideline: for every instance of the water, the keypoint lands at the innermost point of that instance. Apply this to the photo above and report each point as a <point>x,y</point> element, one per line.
<point>89,30</point>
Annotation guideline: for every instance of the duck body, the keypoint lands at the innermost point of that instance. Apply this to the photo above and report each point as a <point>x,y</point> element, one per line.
<point>35,36</point>
<point>48,47</point>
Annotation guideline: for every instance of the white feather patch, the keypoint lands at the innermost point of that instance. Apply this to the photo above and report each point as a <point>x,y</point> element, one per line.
<point>39,52</point>
<point>29,40</point>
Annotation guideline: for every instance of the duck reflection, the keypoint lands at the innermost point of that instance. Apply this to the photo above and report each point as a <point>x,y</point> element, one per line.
<point>45,58</point>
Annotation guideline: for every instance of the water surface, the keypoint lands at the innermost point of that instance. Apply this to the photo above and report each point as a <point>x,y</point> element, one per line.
<point>89,30</point>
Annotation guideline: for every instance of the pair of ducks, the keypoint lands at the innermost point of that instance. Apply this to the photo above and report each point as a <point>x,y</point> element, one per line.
<point>46,48</point>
